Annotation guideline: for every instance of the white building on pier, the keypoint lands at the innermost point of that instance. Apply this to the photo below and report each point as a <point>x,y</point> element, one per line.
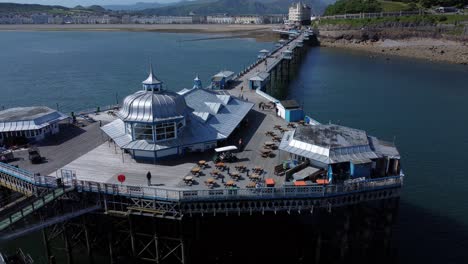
<point>154,123</point>
<point>30,123</point>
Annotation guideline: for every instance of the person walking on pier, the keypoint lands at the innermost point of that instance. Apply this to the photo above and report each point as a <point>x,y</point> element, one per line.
<point>240,144</point>
<point>148,176</point>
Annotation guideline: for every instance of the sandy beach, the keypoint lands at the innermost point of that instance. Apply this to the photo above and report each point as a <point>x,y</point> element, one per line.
<point>259,32</point>
<point>421,48</point>
<point>182,28</point>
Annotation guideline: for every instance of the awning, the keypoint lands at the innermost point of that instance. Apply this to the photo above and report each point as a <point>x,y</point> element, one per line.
<point>224,149</point>
<point>304,173</point>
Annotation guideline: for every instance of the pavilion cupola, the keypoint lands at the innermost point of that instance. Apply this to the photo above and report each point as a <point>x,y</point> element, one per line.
<point>197,83</point>
<point>152,83</point>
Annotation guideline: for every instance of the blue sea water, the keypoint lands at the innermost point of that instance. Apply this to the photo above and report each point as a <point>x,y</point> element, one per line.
<point>81,70</point>
<point>419,105</point>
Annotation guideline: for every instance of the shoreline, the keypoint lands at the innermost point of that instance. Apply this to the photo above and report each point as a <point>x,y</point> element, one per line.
<point>433,50</point>
<point>182,28</point>
<point>259,32</point>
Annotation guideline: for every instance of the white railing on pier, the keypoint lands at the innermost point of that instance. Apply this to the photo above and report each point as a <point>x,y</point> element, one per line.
<point>17,172</point>
<point>169,194</point>
<point>266,96</point>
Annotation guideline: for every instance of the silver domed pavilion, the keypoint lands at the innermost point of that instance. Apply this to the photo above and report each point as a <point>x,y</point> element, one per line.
<point>154,123</point>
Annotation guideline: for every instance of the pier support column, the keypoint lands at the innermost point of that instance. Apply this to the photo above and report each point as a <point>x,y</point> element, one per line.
<point>132,236</point>
<point>88,244</point>
<point>45,240</point>
<point>68,247</point>
<point>318,248</point>
<point>109,241</point>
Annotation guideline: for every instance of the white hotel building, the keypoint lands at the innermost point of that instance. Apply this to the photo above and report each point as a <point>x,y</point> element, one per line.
<point>299,14</point>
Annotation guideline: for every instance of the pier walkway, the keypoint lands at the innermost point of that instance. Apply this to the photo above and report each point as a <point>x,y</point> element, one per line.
<point>32,207</point>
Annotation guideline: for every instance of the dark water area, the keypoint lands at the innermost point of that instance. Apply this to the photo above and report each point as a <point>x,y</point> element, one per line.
<point>419,105</point>
<point>422,107</point>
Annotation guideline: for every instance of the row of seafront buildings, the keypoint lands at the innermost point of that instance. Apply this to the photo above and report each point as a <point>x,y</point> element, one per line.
<point>299,14</point>
<point>127,19</point>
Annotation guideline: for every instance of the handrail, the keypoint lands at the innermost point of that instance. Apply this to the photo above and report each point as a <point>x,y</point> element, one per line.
<point>17,172</point>
<point>172,194</point>
<point>169,194</point>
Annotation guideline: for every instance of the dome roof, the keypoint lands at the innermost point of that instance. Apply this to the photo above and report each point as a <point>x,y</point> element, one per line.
<point>147,106</point>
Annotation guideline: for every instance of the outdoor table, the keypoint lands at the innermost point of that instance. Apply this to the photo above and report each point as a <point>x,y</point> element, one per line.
<point>220,165</point>
<point>230,183</point>
<point>195,170</point>
<point>266,151</point>
<point>254,176</point>
<point>188,178</point>
<point>210,181</point>
<point>215,172</point>
<point>251,185</point>
<point>202,162</point>
<point>235,176</point>
<point>258,168</point>
<point>277,126</point>
<point>269,143</point>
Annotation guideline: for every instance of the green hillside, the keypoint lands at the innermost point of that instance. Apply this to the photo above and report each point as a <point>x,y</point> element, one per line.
<point>11,8</point>
<point>234,7</point>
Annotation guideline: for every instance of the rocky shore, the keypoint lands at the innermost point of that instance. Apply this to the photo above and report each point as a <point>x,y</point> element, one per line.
<point>423,44</point>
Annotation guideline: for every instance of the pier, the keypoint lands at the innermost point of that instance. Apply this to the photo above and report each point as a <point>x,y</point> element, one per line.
<point>80,176</point>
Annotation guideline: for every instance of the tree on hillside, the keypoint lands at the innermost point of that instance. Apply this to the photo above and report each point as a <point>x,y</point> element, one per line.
<point>353,6</point>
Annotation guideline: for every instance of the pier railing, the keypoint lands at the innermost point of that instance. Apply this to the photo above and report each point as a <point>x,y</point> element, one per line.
<point>69,179</point>
<point>168,194</point>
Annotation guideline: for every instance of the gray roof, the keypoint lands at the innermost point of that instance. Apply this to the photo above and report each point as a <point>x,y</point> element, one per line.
<point>261,76</point>
<point>384,148</point>
<point>330,144</point>
<point>210,116</point>
<point>290,104</point>
<point>28,118</point>
<point>306,172</point>
<point>148,106</point>
<point>225,74</point>
<point>331,136</point>
<point>226,112</point>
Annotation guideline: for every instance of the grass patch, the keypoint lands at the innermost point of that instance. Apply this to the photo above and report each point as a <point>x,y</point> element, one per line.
<point>416,19</point>
<point>390,6</point>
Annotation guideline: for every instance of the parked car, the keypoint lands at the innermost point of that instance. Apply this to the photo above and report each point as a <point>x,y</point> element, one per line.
<point>6,156</point>
<point>34,156</point>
